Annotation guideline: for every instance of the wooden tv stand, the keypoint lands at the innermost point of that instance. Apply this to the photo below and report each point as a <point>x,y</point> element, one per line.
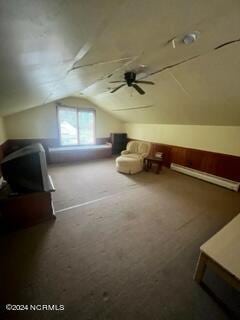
<point>25,210</point>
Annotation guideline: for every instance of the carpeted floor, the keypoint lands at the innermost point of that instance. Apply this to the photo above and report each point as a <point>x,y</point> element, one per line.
<point>126,249</point>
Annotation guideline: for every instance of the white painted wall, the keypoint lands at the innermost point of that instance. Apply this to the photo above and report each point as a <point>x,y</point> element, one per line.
<point>222,139</point>
<point>41,122</point>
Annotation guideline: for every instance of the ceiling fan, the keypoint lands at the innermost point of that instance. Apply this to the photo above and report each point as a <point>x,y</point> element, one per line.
<point>130,81</point>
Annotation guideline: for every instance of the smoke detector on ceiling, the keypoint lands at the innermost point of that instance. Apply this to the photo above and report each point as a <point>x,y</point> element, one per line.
<point>191,37</point>
<point>188,39</point>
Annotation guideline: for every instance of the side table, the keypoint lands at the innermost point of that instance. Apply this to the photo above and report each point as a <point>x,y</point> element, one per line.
<point>149,161</point>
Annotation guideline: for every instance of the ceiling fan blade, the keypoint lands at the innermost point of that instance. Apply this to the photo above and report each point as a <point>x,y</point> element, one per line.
<point>139,90</point>
<point>115,89</point>
<point>144,82</point>
<point>116,81</point>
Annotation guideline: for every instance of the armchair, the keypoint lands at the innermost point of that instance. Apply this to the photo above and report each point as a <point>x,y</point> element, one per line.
<point>131,159</point>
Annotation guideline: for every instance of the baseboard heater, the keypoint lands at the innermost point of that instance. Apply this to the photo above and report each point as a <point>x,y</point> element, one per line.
<point>233,185</point>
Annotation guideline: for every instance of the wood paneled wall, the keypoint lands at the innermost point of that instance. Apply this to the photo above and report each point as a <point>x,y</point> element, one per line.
<point>222,165</point>
<point>2,151</point>
<point>12,145</point>
<point>15,144</point>
<point>64,156</point>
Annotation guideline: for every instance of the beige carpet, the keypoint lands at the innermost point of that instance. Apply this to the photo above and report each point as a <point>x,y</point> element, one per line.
<point>130,254</point>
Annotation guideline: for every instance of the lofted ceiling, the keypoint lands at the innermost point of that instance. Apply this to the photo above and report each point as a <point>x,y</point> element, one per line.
<point>59,48</point>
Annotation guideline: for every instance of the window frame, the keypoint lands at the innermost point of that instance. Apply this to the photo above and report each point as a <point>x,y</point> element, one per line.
<point>77,109</point>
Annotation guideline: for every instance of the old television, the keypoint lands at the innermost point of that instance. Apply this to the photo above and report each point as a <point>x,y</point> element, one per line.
<point>25,170</point>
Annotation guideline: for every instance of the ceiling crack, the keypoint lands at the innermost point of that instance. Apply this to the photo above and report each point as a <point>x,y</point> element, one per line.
<point>99,63</point>
<point>191,58</point>
<point>179,84</point>
<point>226,44</point>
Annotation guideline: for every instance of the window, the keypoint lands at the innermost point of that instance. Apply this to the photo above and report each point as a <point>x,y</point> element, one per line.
<point>76,126</point>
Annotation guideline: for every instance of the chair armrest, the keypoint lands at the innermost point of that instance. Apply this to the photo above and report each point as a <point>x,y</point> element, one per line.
<point>144,155</point>
<point>125,152</point>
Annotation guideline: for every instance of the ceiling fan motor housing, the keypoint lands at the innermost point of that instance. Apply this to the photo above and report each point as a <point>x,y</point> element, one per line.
<point>130,77</point>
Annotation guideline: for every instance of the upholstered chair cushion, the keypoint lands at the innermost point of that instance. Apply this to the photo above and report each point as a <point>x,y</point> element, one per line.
<point>132,159</point>
<point>129,165</point>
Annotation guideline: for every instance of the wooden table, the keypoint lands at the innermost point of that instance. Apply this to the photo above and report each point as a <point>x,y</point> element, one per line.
<point>222,254</point>
<point>149,161</point>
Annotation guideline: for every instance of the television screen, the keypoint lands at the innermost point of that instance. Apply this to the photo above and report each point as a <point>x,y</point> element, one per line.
<point>25,170</point>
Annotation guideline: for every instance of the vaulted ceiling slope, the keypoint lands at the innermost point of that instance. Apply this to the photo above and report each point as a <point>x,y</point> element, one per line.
<point>54,49</point>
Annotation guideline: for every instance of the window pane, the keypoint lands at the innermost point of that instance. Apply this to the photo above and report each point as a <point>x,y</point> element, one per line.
<point>86,127</point>
<point>68,126</point>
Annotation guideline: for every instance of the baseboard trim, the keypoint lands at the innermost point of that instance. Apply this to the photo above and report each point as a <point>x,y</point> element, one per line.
<point>226,183</point>
<point>218,164</point>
